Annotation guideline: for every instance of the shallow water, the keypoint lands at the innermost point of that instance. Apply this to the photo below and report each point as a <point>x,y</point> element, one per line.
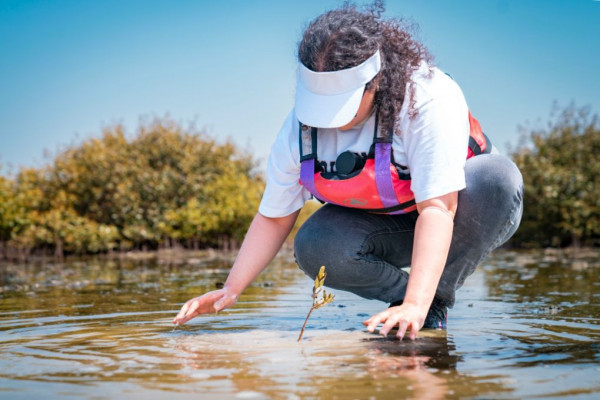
<point>526,325</point>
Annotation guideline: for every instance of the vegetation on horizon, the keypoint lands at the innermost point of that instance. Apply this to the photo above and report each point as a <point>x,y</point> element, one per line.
<point>561,172</point>
<point>167,186</point>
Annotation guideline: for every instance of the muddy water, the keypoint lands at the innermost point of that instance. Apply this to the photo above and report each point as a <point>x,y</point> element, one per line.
<point>526,325</point>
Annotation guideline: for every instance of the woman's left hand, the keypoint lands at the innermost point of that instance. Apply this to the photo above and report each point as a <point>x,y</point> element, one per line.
<point>407,317</point>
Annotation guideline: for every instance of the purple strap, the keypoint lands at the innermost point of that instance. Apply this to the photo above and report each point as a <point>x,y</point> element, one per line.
<point>307,176</point>
<point>383,177</point>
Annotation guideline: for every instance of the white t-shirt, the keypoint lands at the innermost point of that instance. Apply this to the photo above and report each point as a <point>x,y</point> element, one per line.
<point>433,146</point>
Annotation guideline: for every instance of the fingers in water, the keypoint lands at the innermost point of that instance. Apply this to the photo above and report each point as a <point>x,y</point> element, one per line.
<point>192,311</point>
<point>375,320</point>
<point>187,318</point>
<point>181,314</point>
<point>390,323</point>
<point>187,312</point>
<point>414,331</point>
<point>402,327</point>
<point>210,302</point>
<point>373,324</point>
<point>184,309</point>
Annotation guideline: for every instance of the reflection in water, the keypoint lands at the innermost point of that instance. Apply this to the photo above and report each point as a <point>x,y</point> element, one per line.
<point>417,363</point>
<point>330,364</point>
<point>525,325</point>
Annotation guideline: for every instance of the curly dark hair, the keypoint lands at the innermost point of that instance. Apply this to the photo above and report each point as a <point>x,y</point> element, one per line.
<point>345,37</point>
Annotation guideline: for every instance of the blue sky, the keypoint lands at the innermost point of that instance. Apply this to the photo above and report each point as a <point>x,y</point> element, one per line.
<point>70,68</point>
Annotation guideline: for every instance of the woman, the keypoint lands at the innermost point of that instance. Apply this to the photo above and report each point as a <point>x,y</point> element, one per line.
<point>383,137</point>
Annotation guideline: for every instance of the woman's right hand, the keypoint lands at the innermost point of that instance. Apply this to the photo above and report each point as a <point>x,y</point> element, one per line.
<point>210,302</point>
<point>261,244</point>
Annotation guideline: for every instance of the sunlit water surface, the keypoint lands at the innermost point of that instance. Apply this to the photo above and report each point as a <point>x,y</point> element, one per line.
<point>526,325</point>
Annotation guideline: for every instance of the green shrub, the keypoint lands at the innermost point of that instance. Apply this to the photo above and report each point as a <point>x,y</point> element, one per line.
<point>165,185</point>
<point>561,172</point>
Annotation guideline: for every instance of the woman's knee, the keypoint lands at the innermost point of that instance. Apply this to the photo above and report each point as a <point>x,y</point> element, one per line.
<point>496,179</point>
<point>489,209</point>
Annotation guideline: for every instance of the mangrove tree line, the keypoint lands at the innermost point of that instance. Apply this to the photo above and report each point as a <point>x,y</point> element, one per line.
<point>561,171</point>
<point>165,186</point>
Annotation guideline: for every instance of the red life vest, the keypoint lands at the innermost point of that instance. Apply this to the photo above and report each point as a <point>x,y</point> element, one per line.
<point>380,186</point>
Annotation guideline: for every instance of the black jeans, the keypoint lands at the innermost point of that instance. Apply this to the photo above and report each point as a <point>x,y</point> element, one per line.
<point>363,253</point>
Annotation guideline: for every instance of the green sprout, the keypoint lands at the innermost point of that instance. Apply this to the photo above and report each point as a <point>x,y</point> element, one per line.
<point>318,303</point>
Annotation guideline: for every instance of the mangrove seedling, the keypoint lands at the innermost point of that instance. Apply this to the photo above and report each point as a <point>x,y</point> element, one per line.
<point>316,301</point>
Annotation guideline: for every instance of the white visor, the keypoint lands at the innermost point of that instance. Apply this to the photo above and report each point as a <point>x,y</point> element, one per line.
<point>331,99</point>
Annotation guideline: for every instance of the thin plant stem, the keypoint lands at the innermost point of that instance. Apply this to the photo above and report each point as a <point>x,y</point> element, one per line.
<point>305,321</point>
<point>316,302</point>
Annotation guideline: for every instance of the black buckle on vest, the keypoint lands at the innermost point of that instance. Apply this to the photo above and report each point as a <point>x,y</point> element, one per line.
<point>476,148</point>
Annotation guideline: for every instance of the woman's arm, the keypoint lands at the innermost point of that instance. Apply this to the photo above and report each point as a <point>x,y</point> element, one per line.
<point>433,233</point>
<point>262,242</point>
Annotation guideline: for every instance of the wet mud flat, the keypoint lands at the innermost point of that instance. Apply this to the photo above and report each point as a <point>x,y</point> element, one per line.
<point>526,325</point>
